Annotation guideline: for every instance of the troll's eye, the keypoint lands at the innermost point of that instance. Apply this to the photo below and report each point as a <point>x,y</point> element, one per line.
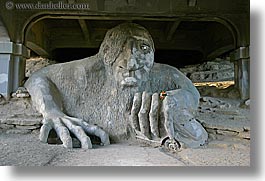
<point>145,47</point>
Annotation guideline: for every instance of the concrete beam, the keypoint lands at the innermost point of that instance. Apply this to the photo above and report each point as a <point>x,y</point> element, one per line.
<point>37,49</point>
<point>13,48</point>
<point>240,53</point>
<point>86,31</point>
<point>72,42</point>
<point>219,51</point>
<point>192,3</point>
<point>171,30</point>
<point>3,33</point>
<point>242,71</point>
<point>37,39</point>
<point>12,66</point>
<point>244,78</point>
<point>78,42</point>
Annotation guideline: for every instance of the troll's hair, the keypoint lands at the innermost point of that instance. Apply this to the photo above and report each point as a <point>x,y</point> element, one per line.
<point>115,38</point>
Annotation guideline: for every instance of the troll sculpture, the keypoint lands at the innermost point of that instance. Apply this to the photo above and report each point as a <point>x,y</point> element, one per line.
<point>116,95</point>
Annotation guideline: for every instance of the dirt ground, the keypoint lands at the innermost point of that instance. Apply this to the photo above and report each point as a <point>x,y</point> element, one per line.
<point>225,120</point>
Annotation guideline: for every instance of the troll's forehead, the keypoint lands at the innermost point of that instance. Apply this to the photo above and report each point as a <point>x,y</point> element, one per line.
<point>116,37</point>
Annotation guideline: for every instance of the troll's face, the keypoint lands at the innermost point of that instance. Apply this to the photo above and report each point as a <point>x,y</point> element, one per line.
<point>129,51</point>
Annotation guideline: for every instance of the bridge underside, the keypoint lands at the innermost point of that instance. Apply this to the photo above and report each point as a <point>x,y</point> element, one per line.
<point>199,40</point>
<point>184,31</point>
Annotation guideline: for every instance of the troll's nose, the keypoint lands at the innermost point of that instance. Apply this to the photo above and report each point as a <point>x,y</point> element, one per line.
<point>132,64</point>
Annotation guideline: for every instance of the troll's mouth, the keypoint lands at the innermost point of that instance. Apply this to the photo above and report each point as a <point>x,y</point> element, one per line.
<point>129,81</point>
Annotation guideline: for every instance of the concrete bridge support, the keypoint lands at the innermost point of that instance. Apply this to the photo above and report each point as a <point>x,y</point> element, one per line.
<point>12,63</point>
<point>242,71</point>
<point>206,29</point>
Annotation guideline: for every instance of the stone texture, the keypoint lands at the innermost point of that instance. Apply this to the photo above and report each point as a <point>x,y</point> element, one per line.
<point>100,89</point>
<point>224,125</point>
<point>218,144</point>
<point>230,92</point>
<point>213,78</point>
<point>244,134</point>
<point>6,126</point>
<point>21,93</point>
<point>27,150</point>
<point>26,121</point>
<point>28,127</point>
<point>231,120</point>
<point>227,133</point>
<point>35,63</point>
<point>214,102</point>
<point>212,71</point>
<point>18,131</point>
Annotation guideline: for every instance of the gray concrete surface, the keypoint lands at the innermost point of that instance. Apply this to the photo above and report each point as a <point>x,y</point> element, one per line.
<point>27,150</point>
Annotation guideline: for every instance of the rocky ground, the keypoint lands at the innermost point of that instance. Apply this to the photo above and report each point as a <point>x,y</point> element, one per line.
<point>227,122</point>
<point>211,71</point>
<point>225,117</point>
